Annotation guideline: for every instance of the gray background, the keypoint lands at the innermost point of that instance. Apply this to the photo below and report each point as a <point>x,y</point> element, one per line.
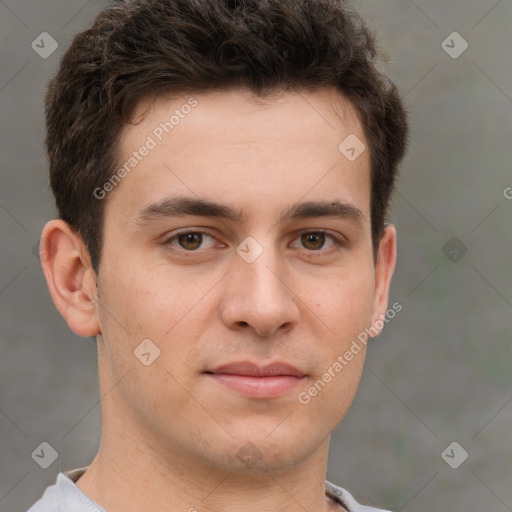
<point>441,370</point>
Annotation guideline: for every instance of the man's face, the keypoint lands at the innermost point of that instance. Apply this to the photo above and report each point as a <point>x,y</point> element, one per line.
<point>297,292</point>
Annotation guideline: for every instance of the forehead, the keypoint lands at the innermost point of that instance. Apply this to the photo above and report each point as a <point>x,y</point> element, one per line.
<point>243,148</point>
<point>321,109</point>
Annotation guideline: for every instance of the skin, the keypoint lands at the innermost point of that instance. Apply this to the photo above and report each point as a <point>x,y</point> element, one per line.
<point>170,433</point>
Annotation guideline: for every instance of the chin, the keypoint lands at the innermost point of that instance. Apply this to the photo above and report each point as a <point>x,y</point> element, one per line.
<point>268,452</point>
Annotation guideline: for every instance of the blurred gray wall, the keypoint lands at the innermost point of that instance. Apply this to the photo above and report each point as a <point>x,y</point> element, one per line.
<point>441,371</point>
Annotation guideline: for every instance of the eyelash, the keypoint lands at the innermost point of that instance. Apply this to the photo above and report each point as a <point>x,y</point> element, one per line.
<point>339,242</point>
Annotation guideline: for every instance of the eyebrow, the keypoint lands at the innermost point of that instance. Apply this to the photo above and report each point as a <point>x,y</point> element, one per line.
<point>181,206</point>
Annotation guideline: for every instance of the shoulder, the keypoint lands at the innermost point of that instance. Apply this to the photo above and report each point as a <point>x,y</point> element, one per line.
<point>49,502</point>
<point>65,496</point>
<point>347,500</point>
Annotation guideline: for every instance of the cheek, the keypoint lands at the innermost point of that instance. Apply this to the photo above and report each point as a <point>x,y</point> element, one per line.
<point>345,302</point>
<point>343,309</point>
<point>138,306</point>
<point>148,304</point>
<point>151,304</point>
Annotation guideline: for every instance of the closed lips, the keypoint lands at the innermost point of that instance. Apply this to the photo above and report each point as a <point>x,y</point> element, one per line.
<point>249,369</point>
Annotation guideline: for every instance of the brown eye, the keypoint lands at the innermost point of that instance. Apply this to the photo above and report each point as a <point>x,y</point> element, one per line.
<point>313,241</point>
<point>190,241</point>
<point>321,242</point>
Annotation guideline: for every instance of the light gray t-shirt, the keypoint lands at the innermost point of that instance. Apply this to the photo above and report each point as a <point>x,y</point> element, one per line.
<point>65,496</point>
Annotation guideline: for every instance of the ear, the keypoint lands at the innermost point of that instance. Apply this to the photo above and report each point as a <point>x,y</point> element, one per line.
<point>70,277</point>
<point>386,259</point>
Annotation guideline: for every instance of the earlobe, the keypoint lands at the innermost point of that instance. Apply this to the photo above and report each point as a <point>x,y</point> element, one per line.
<point>384,268</point>
<point>70,277</point>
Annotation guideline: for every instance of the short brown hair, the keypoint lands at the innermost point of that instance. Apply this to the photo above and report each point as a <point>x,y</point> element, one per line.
<point>144,48</point>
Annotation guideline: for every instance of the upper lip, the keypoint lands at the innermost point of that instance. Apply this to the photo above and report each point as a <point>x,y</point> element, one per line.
<point>254,370</point>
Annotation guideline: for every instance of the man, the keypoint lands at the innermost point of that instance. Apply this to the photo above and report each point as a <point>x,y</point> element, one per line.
<point>222,170</point>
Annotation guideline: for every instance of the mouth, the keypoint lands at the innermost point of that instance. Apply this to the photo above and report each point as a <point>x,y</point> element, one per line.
<point>256,381</point>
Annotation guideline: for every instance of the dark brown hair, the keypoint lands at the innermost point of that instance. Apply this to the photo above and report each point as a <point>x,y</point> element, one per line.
<point>143,48</point>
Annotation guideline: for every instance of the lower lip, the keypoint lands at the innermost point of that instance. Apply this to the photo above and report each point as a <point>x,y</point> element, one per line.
<point>257,387</point>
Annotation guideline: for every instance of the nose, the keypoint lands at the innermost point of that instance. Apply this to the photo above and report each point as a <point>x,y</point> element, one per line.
<point>258,296</point>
